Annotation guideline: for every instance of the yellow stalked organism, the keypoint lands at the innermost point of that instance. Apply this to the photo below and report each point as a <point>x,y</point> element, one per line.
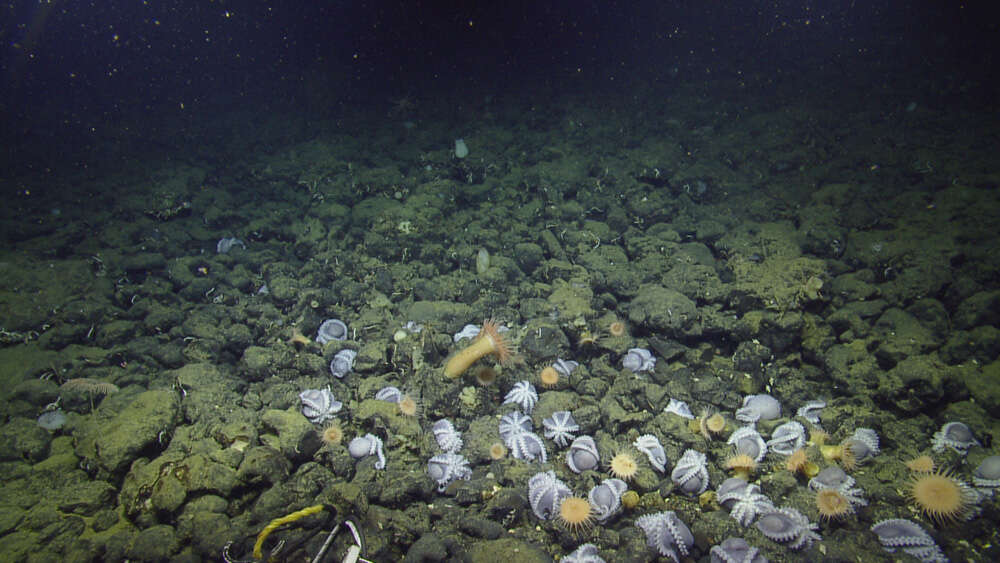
<point>488,341</point>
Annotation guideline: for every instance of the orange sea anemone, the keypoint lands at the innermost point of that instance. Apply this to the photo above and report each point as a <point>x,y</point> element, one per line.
<point>489,341</point>
<point>485,375</point>
<point>921,464</point>
<point>408,405</point>
<point>741,465</point>
<point>616,328</point>
<point>549,377</point>
<point>842,453</point>
<point>711,425</point>
<point>575,514</point>
<point>497,451</point>
<point>798,462</point>
<point>624,466</point>
<point>331,434</point>
<point>940,496</point>
<point>832,505</point>
<point>818,437</point>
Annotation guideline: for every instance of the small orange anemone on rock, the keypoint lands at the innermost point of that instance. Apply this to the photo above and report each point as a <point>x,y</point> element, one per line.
<point>833,505</point>
<point>624,466</point>
<point>711,425</point>
<point>798,462</point>
<point>576,514</point>
<point>616,328</point>
<point>488,341</point>
<point>408,405</point>
<point>486,375</point>
<point>549,377</point>
<point>331,434</point>
<point>741,465</point>
<point>921,464</point>
<point>498,451</point>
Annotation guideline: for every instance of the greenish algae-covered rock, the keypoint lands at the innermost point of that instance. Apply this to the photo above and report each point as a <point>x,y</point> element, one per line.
<point>984,385</point>
<point>544,340</point>
<point>257,362</point>
<point>572,300</point>
<point>851,363</point>
<point>292,433</point>
<point>10,517</point>
<point>610,270</point>
<point>199,473</point>
<point>478,527</point>
<point>85,498</point>
<point>385,412</point>
<point>371,354</point>
<point>916,382</point>
<point>153,485</point>
<point>208,531</point>
<point>155,543</point>
<point>981,344</point>
<point>664,310</point>
<point>22,438</point>
<point>428,547</point>
<point>552,401</point>
<point>263,464</point>
<point>283,289</point>
<point>528,256</point>
<point>135,428</point>
<point>399,488</point>
<point>902,336</point>
<point>442,315</point>
<point>346,496</point>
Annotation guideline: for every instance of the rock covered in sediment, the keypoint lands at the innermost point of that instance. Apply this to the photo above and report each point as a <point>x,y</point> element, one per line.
<point>138,426</point>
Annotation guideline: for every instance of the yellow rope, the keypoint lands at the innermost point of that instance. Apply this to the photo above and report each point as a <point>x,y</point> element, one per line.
<point>280,521</point>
